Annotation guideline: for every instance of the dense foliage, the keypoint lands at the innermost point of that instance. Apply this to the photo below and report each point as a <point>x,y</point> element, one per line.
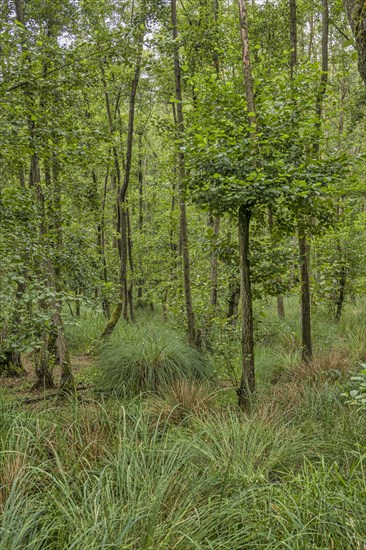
<point>183,211</point>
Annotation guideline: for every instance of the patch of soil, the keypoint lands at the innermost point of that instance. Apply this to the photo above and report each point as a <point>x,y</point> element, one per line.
<point>22,387</point>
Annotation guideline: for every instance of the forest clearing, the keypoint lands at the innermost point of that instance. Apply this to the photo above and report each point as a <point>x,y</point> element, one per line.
<point>182,274</point>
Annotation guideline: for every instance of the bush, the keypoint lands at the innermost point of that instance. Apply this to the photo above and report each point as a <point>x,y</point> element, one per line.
<point>356,389</point>
<point>148,359</point>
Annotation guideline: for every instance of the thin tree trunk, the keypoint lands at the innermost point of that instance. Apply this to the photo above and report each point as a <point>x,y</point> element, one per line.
<point>233,302</point>
<point>356,12</point>
<point>304,248</point>
<point>293,37</point>
<point>342,286</point>
<point>66,376</point>
<point>307,352</point>
<point>247,384</point>
<point>247,69</point>
<point>215,224</point>
<point>132,269</point>
<point>122,305</point>
<point>101,241</point>
<point>280,306</point>
<point>42,367</point>
<point>140,177</point>
<point>342,278</point>
<point>324,76</point>
<point>181,175</point>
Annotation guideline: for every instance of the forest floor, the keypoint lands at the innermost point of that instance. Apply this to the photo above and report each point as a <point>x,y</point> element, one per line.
<point>22,388</point>
<point>183,468</point>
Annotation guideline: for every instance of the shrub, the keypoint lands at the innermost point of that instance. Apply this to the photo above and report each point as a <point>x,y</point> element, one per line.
<point>148,359</point>
<point>356,389</point>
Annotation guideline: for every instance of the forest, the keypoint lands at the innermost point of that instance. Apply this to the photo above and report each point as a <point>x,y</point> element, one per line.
<point>182,274</point>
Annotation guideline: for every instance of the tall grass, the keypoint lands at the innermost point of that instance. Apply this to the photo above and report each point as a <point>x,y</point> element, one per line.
<point>83,333</point>
<point>103,475</point>
<point>148,358</point>
<point>181,470</point>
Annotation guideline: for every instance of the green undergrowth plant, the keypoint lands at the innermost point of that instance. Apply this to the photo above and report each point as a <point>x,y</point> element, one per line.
<point>148,357</point>
<point>355,389</point>
<point>83,333</point>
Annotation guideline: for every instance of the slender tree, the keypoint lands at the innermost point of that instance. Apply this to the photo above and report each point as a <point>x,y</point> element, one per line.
<point>247,384</point>
<point>181,177</point>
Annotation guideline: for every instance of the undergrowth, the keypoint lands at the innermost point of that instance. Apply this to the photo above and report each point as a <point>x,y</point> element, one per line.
<point>107,475</point>
<point>147,357</point>
<point>180,467</point>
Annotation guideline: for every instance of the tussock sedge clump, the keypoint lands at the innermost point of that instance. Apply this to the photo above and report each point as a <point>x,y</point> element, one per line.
<point>148,358</point>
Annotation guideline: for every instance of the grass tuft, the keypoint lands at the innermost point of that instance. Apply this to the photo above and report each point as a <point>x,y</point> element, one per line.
<point>148,358</point>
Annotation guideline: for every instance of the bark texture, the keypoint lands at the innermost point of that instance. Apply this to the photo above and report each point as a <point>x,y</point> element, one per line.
<point>247,384</point>
<point>307,351</point>
<point>356,13</point>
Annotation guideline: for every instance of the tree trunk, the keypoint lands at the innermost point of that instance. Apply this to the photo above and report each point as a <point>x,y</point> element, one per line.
<point>356,12</point>
<point>307,352</point>
<point>324,75</point>
<point>62,352</point>
<point>279,297</point>
<point>122,305</point>
<point>181,175</point>
<point>42,367</point>
<point>280,307</point>
<point>293,36</point>
<point>233,302</point>
<point>247,69</point>
<point>140,177</point>
<point>101,240</point>
<point>132,269</point>
<point>11,364</point>
<point>215,224</point>
<point>342,278</point>
<point>247,384</point>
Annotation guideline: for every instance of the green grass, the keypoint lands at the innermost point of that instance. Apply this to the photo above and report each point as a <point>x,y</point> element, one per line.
<point>147,357</point>
<point>104,475</point>
<point>183,469</point>
<point>83,333</point>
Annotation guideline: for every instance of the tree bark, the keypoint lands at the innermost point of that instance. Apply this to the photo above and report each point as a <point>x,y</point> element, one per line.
<point>247,69</point>
<point>293,36</point>
<point>279,297</point>
<point>62,352</point>
<point>307,352</point>
<point>42,367</point>
<point>215,224</point>
<point>247,384</point>
<point>356,13</point>
<point>140,177</point>
<point>233,301</point>
<point>181,176</point>
<point>324,75</point>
